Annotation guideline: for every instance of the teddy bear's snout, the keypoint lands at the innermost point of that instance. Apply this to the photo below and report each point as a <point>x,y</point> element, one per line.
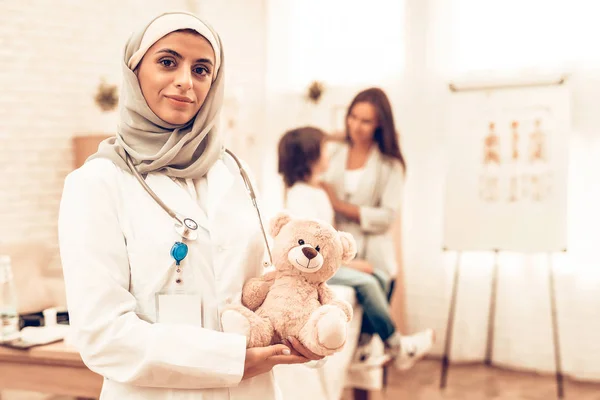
<point>309,252</point>
<point>305,258</point>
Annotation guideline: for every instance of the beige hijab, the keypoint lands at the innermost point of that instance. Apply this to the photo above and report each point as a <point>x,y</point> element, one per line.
<point>181,151</point>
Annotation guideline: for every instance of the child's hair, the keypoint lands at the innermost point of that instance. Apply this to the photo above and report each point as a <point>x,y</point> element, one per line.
<point>299,149</point>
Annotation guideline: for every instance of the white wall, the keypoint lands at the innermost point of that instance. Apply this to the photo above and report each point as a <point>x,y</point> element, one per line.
<point>421,99</point>
<point>331,42</point>
<point>243,30</point>
<point>523,335</point>
<point>55,53</point>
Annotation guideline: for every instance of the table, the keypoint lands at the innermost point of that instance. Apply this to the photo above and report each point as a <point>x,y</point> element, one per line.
<point>57,369</point>
<point>54,368</point>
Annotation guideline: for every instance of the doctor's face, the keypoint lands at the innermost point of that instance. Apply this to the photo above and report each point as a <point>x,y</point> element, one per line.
<point>175,76</point>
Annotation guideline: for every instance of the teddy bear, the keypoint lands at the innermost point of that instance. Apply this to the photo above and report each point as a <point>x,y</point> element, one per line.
<point>293,299</point>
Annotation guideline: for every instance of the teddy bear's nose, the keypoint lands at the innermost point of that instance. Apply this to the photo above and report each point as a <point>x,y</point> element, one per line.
<point>309,252</point>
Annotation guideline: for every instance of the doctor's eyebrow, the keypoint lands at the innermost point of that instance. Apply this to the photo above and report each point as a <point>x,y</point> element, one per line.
<point>180,57</point>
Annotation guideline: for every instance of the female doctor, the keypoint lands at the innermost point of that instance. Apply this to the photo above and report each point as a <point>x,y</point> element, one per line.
<point>158,232</point>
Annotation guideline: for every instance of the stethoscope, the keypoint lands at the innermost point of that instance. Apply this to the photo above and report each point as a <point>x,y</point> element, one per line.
<point>186,227</point>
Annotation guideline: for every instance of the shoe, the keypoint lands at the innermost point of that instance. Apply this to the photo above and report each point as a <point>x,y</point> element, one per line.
<point>412,349</point>
<point>371,362</point>
<point>362,353</point>
<point>364,357</point>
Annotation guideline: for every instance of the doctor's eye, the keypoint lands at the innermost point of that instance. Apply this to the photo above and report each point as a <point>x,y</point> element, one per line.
<point>167,62</point>
<point>318,248</point>
<point>301,242</point>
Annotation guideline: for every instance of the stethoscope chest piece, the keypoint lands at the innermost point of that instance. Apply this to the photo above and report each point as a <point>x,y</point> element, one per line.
<point>188,230</point>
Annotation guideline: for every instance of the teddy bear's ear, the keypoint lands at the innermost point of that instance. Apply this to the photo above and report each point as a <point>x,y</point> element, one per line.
<point>349,247</point>
<point>277,222</point>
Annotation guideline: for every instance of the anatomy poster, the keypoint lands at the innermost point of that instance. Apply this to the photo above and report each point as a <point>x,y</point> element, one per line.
<point>506,185</point>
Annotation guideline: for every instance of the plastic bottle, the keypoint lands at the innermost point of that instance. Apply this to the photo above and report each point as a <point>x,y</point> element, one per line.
<point>9,318</point>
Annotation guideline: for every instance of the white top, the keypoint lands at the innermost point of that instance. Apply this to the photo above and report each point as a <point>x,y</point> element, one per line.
<point>115,246</point>
<point>352,179</point>
<point>306,201</point>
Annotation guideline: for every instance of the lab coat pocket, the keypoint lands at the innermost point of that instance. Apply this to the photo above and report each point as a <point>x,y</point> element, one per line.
<point>150,265</point>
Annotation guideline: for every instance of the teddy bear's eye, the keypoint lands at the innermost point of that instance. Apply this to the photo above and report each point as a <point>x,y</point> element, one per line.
<point>318,248</point>
<point>301,242</point>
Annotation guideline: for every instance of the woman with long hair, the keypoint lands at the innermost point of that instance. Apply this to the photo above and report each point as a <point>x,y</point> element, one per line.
<point>364,183</point>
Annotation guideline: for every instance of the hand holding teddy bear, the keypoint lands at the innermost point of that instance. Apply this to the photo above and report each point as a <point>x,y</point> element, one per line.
<point>294,300</point>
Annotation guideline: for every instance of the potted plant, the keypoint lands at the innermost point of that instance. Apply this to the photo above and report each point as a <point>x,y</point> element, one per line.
<point>106,99</point>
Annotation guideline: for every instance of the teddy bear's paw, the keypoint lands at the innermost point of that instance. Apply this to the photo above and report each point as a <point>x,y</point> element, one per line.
<point>331,329</point>
<point>234,322</point>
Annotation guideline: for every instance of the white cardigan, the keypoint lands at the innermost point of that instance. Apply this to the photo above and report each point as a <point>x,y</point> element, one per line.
<point>379,197</point>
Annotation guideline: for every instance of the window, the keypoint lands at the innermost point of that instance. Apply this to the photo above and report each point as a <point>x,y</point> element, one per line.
<point>339,42</point>
<point>492,35</point>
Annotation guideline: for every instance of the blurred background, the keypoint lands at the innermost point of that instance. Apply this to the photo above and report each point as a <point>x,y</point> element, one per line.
<point>60,80</point>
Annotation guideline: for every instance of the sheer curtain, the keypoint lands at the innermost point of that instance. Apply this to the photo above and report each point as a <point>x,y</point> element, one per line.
<point>348,45</point>
<point>343,43</point>
<point>338,42</point>
<point>470,37</point>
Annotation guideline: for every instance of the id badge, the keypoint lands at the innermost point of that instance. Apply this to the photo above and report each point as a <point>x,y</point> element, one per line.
<point>179,308</point>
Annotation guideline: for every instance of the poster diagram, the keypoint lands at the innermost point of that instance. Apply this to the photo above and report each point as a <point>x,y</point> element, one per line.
<point>520,151</point>
<point>506,185</point>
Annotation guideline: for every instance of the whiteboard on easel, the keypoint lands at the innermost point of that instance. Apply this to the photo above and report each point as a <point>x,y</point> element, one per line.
<point>506,186</point>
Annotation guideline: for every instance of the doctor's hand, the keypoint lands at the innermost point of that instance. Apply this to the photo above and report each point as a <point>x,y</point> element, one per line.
<point>299,349</point>
<point>262,359</point>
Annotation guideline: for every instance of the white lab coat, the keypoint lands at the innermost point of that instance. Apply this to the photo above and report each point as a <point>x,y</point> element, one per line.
<point>115,246</point>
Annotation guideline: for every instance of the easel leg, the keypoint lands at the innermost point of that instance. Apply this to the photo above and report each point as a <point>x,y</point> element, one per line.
<point>492,313</point>
<point>361,394</point>
<point>385,378</point>
<point>450,325</point>
<point>557,360</point>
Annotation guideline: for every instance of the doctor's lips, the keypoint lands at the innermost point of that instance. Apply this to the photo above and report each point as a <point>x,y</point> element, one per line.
<point>181,99</point>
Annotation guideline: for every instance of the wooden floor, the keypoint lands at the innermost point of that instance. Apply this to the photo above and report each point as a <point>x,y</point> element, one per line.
<point>472,382</point>
<point>477,382</point>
